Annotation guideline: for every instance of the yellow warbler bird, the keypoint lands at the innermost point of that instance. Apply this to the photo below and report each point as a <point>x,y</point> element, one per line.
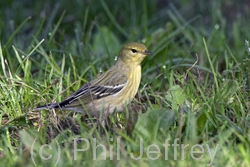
<point>112,90</point>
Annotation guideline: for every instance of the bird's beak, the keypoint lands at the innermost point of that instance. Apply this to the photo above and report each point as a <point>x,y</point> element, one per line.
<point>147,52</point>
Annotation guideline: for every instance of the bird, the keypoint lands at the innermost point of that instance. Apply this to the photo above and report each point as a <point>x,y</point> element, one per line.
<point>112,90</point>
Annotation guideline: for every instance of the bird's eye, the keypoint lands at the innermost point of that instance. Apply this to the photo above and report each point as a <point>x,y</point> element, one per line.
<point>133,50</point>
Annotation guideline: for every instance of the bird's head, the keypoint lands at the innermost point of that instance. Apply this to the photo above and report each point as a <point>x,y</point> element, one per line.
<point>133,53</point>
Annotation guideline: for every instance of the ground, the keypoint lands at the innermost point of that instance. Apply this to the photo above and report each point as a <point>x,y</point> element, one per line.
<point>192,107</point>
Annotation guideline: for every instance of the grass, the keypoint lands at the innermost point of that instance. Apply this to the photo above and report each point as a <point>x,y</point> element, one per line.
<point>192,108</point>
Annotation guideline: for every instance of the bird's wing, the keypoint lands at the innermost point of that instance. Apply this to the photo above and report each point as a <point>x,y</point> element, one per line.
<point>97,89</point>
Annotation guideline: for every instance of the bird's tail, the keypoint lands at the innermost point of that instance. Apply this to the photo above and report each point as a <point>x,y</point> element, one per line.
<point>47,106</point>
